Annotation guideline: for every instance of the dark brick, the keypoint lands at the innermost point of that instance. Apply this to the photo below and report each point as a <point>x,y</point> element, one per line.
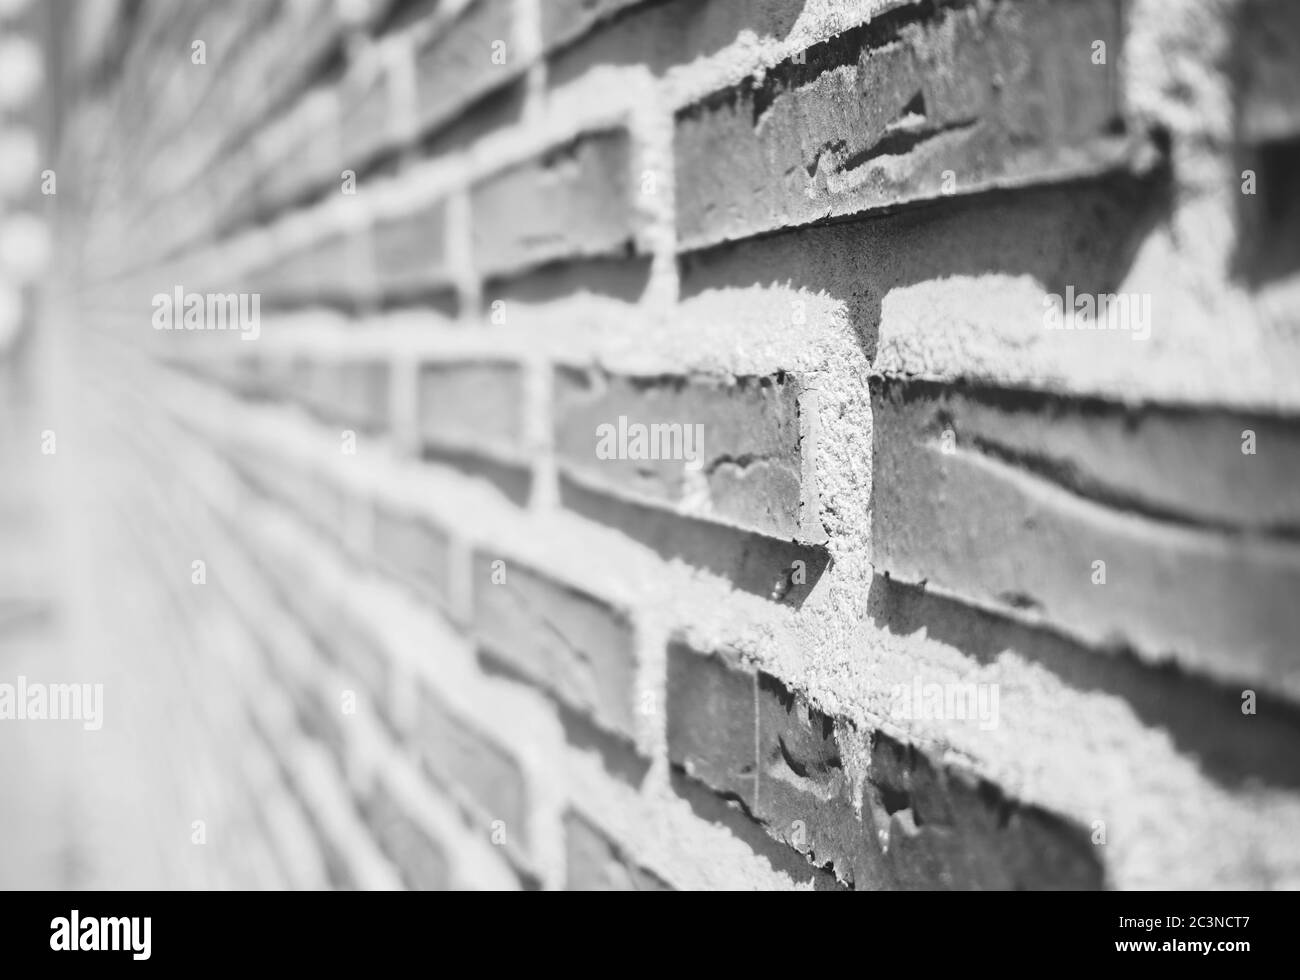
<point>364,116</point>
<point>463,756</point>
<point>332,269</point>
<point>565,20</point>
<point>364,388</point>
<point>745,735</point>
<point>751,457</point>
<point>422,861</point>
<point>361,657</point>
<point>567,641</point>
<point>575,201</point>
<point>472,406</point>
<point>322,718</point>
<point>1037,488</point>
<point>654,35</point>
<point>595,862</point>
<point>996,92</point>
<point>455,66</point>
<point>943,828</point>
<point>410,251</point>
<point>414,549</point>
<point>711,722</point>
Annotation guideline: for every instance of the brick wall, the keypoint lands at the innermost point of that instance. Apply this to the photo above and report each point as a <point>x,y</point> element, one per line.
<point>945,599</point>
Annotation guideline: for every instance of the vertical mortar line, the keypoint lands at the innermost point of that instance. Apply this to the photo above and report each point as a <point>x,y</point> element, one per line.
<point>809,519</point>
<point>538,430</point>
<point>460,579</point>
<point>651,123</point>
<point>398,54</point>
<point>651,644</point>
<point>757,741</point>
<point>527,44</point>
<point>359,218</point>
<point>332,118</point>
<point>403,399</point>
<point>458,246</point>
<point>347,480</point>
<point>364,70</point>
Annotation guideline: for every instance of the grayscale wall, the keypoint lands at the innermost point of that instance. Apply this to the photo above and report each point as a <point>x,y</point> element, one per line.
<point>650,444</point>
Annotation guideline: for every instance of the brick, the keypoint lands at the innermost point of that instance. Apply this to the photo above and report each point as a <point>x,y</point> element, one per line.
<point>575,201</point>
<point>1267,68</point>
<point>565,640</point>
<point>396,16</point>
<point>751,459</point>
<point>316,499</point>
<point>421,860</point>
<point>744,734</point>
<point>414,549</point>
<point>338,863</point>
<point>474,406</point>
<point>454,68</point>
<point>410,250</point>
<point>1031,496</point>
<point>741,733</point>
<point>364,398</point>
<point>320,711</point>
<point>654,35</point>
<point>565,20</point>
<point>947,829</point>
<point>311,160</point>
<point>242,373</point>
<point>315,30</point>
<point>364,116</point>
<point>312,385</point>
<point>778,570</point>
<point>351,393</point>
<point>711,722</point>
<point>332,269</point>
<point>803,795</point>
<point>1268,223</point>
<point>466,759</point>
<point>362,659</point>
<point>595,862</point>
<point>500,109</point>
<point>1183,463</point>
<point>995,92</point>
